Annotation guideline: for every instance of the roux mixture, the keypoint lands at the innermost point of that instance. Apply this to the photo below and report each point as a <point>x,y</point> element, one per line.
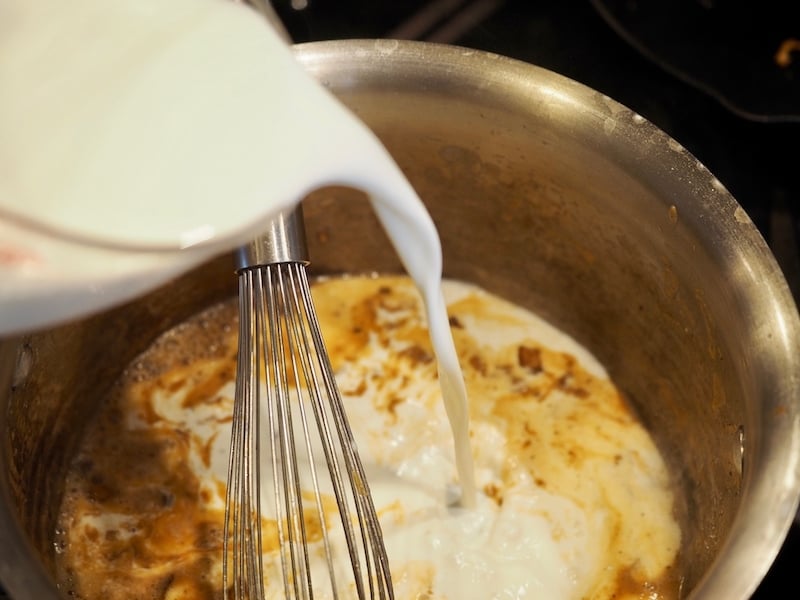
<point>574,499</point>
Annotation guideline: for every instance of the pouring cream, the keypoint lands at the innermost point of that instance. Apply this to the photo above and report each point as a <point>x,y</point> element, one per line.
<point>182,125</point>
<point>171,131</point>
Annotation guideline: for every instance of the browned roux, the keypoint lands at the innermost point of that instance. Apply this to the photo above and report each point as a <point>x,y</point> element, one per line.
<point>143,512</point>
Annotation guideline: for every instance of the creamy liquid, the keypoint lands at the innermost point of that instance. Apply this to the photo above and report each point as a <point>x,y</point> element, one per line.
<point>179,109</point>
<point>194,111</point>
<point>573,497</point>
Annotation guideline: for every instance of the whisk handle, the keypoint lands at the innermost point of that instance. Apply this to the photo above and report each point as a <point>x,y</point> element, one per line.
<point>283,242</point>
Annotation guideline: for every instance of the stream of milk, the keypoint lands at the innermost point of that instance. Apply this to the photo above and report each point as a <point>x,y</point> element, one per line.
<point>169,131</point>
<point>151,120</point>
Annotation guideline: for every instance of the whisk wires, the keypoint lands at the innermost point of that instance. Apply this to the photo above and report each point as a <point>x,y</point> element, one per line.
<point>288,415</point>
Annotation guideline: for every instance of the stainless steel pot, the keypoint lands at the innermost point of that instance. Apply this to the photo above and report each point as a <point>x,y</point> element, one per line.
<point>554,196</point>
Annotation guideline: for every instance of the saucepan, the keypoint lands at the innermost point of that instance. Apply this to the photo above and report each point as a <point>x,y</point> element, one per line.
<point>553,196</point>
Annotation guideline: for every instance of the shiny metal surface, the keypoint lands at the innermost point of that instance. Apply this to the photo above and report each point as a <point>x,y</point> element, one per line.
<point>284,367</point>
<point>284,241</point>
<point>280,342</point>
<point>556,197</point>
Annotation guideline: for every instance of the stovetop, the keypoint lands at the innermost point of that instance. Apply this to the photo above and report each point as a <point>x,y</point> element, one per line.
<point>737,118</point>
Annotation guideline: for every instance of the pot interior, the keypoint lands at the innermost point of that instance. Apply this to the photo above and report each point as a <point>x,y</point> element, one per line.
<point>554,197</point>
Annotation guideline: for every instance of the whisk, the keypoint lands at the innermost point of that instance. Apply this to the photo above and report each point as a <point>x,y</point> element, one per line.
<point>315,511</point>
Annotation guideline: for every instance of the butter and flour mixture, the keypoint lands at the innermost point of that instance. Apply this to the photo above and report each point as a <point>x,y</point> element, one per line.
<point>574,499</point>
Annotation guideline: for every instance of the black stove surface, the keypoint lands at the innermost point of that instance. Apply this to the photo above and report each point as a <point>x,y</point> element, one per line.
<point>756,160</point>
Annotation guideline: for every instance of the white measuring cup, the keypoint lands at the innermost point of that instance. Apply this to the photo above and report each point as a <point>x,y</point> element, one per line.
<point>128,151</point>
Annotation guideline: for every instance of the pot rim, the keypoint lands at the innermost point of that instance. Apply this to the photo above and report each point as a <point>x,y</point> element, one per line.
<point>758,533</point>
<point>761,524</point>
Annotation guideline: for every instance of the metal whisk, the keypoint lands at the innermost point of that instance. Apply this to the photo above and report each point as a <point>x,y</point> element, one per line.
<point>298,505</point>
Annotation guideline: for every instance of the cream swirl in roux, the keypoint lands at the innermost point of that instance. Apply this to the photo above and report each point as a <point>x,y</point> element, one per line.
<point>575,500</point>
